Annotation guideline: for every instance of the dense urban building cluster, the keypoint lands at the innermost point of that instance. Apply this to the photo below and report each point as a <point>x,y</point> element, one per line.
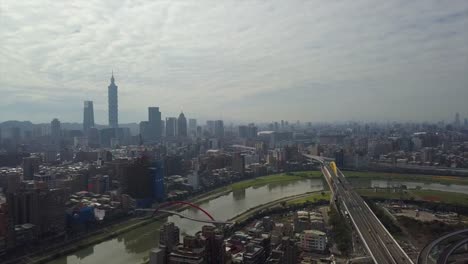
<point>60,180</point>
<point>299,238</point>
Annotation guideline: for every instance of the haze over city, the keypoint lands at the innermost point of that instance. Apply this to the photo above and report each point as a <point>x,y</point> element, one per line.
<point>233,132</point>
<point>235,60</point>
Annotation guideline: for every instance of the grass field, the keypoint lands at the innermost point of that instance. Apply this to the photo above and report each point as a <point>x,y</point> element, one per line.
<point>418,195</point>
<point>406,177</point>
<point>293,176</point>
<point>275,178</point>
<point>314,197</point>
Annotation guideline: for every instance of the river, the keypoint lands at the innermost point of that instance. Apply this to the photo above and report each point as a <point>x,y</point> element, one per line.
<point>135,245</point>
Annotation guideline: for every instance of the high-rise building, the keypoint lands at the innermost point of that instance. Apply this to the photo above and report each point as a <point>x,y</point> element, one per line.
<point>214,245</point>
<point>7,233</point>
<point>192,125</point>
<point>290,249</point>
<point>254,254</point>
<point>238,163</point>
<point>55,132</point>
<point>171,127</point>
<point>113,104</point>
<point>191,251</point>
<point>44,208</point>
<point>219,128</point>
<point>106,136</point>
<point>157,172</point>
<point>252,131</point>
<point>93,137</point>
<point>88,115</point>
<point>210,126</point>
<point>163,128</point>
<point>154,123</point>
<point>144,130</point>
<point>158,255</point>
<point>136,179</point>
<point>169,235</point>
<point>182,126</point>
<point>193,179</point>
<point>457,121</point>
<point>30,166</point>
<point>243,131</point>
<point>249,131</point>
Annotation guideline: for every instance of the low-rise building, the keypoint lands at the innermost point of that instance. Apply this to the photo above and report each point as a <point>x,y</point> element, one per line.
<point>313,240</point>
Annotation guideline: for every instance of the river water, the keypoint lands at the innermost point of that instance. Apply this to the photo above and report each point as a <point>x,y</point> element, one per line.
<point>134,246</point>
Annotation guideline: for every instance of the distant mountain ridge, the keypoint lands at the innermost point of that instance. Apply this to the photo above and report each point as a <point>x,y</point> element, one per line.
<point>28,125</point>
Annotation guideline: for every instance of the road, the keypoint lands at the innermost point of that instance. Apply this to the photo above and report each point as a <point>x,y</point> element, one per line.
<point>215,222</point>
<point>382,247</point>
<point>246,214</point>
<point>425,254</point>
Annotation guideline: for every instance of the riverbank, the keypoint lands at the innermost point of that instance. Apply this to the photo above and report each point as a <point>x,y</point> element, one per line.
<point>102,235</point>
<point>406,177</point>
<point>450,198</point>
<point>276,178</point>
<point>129,225</point>
<point>224,194</point>
<point>118,229</point>
<point>312,198</point>
<point>246,214</point>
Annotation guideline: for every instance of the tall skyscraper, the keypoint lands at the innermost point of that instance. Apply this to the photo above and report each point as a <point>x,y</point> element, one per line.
<point>55,132</point>
<point>88,115</point>
<point>182,125</point>
<point>113,104</point>
<point>219,128</point>
<point>192,125</point>
<point>210,126</point>
<point>171,127</point>
<point>154,123</point>
<point>144,130</point>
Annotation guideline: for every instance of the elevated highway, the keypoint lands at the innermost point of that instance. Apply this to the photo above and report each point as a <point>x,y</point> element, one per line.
<point>454,241</point>
<point>379,243</point>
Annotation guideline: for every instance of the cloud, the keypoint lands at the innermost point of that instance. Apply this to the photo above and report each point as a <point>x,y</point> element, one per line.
<point>252,60</point>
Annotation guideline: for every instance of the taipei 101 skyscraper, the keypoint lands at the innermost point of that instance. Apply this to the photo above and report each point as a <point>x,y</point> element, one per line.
<point>113,104</point>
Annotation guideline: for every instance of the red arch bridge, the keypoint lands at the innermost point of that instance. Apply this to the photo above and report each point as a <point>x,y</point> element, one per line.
<point>161,207</point>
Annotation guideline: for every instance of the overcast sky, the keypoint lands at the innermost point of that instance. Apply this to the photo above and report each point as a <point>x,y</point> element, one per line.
<point>242,60</point>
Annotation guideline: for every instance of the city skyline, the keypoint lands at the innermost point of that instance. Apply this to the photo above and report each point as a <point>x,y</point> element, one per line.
<point>226,132</point>
<point>267,61</point>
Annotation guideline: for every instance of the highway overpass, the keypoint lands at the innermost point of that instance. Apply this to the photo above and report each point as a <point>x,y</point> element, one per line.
<point>442,250</point>
<point>379,243</point>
